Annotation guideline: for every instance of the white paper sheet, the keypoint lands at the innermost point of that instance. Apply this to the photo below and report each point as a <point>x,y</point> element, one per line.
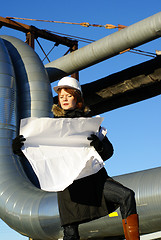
<point>59,151</point>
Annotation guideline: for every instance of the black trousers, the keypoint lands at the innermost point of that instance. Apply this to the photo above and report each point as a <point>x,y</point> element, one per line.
<point>114,192</point>
<point>124,197</point>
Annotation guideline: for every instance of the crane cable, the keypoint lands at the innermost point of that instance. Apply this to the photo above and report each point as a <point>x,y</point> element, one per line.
<point>83,24</point>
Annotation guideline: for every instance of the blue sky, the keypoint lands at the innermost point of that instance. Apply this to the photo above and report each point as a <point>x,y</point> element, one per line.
<point>134,130</point>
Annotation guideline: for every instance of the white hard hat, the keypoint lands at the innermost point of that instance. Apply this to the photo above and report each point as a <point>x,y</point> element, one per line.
<point>68,82</point>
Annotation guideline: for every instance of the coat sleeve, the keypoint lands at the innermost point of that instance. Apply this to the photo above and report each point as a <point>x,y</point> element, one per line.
<point>107,149</point>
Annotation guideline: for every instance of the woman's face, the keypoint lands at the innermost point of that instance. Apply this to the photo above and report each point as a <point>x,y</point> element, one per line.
<point>66,100</point>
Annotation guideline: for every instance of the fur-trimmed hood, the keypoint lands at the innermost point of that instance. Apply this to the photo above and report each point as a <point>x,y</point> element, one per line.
<point>59,112</point>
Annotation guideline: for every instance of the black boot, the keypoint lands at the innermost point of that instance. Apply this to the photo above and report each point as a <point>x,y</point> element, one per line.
<point>71,232</point>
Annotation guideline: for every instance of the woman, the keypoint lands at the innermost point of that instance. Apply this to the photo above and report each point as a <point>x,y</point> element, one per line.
<point>96,195</point>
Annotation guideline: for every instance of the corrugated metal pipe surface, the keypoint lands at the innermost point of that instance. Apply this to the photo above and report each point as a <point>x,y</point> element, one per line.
<point>25,208</point>
<point>129,37</point>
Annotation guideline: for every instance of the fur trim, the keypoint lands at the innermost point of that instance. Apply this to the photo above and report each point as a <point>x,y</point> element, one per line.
<point>87,110</point>
<point>59,112</point>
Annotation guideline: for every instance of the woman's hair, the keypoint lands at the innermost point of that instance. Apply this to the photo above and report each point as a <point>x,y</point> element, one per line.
<point>77,96</point>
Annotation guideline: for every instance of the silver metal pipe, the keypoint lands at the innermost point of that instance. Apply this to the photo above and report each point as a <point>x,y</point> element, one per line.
<point>107,47</point>
<point>25,208</point>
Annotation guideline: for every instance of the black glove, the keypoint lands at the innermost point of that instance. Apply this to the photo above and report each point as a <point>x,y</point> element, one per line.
<point>17,143</point>
<point>96,143</point>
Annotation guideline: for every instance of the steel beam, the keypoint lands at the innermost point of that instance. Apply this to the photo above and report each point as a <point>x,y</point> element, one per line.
<point>7,22</point>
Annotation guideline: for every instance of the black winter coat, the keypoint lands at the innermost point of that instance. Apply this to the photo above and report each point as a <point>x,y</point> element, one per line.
<point>83,200</point>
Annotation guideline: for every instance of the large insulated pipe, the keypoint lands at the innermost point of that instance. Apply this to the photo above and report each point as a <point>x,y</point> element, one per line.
<point>129,37</point>
<point>25,208</point>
